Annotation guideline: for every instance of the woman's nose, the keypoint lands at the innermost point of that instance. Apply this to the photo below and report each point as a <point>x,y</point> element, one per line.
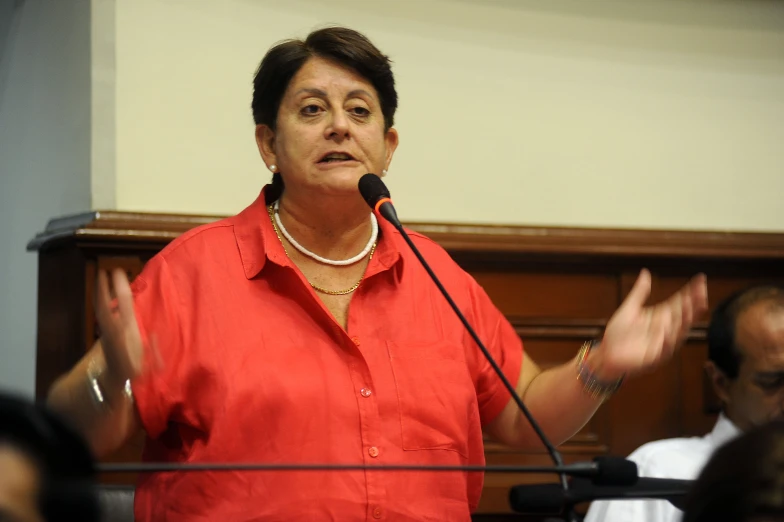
<point>338,125</point>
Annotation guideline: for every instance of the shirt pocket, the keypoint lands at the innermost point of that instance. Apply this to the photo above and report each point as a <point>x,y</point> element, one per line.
<point>436,396</point>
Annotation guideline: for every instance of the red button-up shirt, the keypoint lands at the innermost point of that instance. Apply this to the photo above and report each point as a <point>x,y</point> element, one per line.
<point>251,367</point>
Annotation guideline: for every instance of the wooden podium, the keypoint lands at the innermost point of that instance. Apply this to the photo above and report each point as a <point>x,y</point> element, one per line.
<point>557,286</point>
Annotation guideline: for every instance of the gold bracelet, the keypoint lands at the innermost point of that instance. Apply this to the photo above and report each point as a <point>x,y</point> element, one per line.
<point>592,385</point>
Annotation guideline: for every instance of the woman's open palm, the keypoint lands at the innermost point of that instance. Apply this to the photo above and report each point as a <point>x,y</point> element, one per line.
<point>640,337</point>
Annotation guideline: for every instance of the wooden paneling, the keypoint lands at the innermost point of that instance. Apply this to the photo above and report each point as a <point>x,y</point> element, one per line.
<point>62,303</point>
<point>550,294</point>
<point>646,409</point>
<point>557,286</point>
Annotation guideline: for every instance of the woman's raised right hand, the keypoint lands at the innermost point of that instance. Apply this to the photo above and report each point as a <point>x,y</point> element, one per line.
<point>120,336</point>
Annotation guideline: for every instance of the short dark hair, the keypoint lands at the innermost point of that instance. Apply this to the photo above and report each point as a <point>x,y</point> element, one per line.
<point>723,348</point>
<point>345,46</point>
<point>64,462</point>
<point>744,479</point>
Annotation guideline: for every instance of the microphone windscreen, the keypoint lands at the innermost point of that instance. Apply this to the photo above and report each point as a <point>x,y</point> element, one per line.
<point>537,498</point>
<point>372,189</point>
<point>615,471</point>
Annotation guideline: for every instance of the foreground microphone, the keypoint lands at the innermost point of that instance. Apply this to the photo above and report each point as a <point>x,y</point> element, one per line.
<point>606,471</point>
<point>377,196</point>
<point>551,498</point>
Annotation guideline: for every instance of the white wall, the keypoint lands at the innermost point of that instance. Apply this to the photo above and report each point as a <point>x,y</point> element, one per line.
<point>633,113</point>
<point>44,156</point>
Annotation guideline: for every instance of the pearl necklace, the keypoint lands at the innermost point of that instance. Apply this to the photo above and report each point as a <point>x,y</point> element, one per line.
<point>271,212</point>
<point>324,260</point>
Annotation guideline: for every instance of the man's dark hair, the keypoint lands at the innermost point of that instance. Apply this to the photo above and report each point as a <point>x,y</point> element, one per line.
<point>338,44</point>
<point>64,462</point>
<point>723,347</point>
<point>743,480</point>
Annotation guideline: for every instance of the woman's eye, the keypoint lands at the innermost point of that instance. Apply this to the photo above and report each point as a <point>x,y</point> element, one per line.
<point>360,111</point>
<point>311,109</point>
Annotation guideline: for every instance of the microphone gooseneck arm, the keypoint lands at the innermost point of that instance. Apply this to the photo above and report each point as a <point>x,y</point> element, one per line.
<point>377,196</point>
<point>551,449</point>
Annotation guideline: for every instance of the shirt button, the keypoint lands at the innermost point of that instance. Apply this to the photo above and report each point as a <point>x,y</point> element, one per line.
<point>355,340</point>
<point>373,451</point>
<point>365,392</point>
<point>377,512</point>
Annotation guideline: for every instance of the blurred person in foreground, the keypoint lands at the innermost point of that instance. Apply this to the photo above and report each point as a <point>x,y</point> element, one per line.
<point>46,469</point>
<point>743,481</point>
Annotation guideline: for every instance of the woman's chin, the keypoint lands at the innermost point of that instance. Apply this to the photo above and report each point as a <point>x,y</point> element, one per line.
<point>333,181</point>
<point>344,179</point>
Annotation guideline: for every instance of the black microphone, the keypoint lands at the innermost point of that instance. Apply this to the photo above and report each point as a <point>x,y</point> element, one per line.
<point>376,194</point>
<point>606,471</point>
<point>551,498</point>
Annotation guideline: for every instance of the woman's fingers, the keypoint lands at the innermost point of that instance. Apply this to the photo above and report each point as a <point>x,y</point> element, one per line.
<point>122,289</point>
<point>132,341</point>
<point>120,336</point>
<point>657,342</point>
<point>103,306</point>
<point>640,291</point>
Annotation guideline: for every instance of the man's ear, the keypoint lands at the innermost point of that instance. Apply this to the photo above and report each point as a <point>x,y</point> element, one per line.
<point>265,141</point>
<point>720,382</point>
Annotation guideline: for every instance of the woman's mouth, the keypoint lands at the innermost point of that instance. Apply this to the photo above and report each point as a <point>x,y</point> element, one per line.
<point>336,157</point>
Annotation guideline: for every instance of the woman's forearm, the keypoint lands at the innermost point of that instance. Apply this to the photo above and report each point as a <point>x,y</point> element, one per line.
<point>105,426</point>
<point>560,404</point>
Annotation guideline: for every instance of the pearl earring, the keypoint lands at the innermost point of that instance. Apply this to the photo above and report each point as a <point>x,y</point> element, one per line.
<point>384,172</point>
<point>273,168</point>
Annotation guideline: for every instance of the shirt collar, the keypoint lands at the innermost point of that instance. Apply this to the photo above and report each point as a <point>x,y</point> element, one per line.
<point>387,252</point>
<point>253,231</point>
<point>257,241</point>
<point>723,431</point>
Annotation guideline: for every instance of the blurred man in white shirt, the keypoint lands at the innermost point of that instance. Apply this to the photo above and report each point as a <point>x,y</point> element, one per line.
<point>746,368</point>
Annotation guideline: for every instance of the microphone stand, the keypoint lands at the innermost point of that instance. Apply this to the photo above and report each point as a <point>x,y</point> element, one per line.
<point>555,455</point>
<point>377,196</point>
<point>549,498</point>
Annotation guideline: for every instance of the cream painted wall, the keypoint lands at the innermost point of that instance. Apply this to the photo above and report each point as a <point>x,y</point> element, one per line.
<point>634,113</point>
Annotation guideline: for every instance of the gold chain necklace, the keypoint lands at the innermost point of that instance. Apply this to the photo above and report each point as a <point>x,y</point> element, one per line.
<point>271,211</point>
